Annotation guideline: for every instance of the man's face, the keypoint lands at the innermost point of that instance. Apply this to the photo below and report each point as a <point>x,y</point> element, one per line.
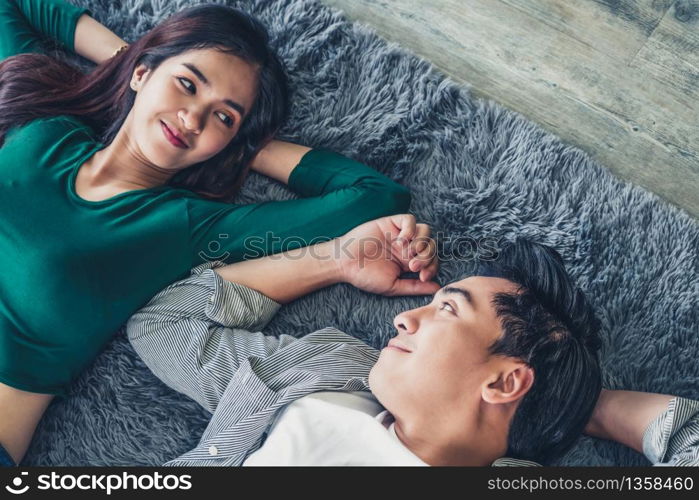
<point>174,94</point>
<point>439,359</point>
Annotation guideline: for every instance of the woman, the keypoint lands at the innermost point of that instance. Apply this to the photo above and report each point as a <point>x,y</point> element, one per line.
<point>114,184</point>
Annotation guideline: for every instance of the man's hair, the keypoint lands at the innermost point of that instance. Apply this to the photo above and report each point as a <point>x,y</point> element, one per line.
<point>551,326</point>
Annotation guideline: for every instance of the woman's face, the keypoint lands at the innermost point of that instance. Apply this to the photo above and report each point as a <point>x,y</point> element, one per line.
<point>202,95</point>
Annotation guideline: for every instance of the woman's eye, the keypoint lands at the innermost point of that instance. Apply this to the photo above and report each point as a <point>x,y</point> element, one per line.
<point>193,89</point>
<point>224,118</point>
<point>227,120</point>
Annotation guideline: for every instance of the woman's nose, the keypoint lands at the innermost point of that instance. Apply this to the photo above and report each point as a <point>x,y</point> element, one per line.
<point>191,121</point>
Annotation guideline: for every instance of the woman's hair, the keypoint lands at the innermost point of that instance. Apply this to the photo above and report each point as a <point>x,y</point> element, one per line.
<point>36,85</point>
<point>550,325</point>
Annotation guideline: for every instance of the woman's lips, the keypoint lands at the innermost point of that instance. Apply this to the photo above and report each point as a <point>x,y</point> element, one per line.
<point>171,138</point>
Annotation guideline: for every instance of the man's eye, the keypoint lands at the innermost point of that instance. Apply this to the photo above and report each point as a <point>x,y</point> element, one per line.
<point>444,305</point>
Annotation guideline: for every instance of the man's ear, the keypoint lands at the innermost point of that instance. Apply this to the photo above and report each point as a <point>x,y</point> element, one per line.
<point>509,384</point>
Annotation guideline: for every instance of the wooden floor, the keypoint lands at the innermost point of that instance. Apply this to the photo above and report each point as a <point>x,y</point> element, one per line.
<point>617,78</point>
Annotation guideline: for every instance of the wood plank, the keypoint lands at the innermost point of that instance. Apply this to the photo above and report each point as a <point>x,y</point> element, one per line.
<point>671,54</point>
<point>617,27</point>
<point>639,128</point>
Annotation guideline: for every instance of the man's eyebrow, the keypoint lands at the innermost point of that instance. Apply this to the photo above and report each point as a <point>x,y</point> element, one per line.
<point>239,108</point>
<point>460,291</point>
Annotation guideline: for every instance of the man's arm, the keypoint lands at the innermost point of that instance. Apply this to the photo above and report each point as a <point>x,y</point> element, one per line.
<point>663,427</point>
<point>370,257</point>
<point>195,334</point>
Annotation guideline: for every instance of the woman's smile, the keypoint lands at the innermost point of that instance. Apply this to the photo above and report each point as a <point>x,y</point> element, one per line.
<point>171,137</point>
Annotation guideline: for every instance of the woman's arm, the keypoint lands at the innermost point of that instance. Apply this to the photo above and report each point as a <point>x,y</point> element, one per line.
<point>68,24</point>
<point>23,24</point>
<point>277,159</point>
<point>337,194</point>
<point>94,41</point>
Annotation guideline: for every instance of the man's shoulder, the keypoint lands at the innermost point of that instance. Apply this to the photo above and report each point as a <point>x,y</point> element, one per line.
<point>332,337</point>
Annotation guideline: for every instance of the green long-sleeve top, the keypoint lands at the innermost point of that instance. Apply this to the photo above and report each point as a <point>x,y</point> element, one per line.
<point>73,271</point>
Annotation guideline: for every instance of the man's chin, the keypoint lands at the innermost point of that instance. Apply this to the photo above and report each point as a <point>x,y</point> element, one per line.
<point>382,381</point>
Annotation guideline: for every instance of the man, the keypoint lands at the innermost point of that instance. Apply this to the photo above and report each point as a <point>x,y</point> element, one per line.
<point>499,364</point>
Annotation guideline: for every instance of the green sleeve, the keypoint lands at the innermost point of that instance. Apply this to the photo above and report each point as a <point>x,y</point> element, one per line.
<point>23,23</point>
<point>340,194</point>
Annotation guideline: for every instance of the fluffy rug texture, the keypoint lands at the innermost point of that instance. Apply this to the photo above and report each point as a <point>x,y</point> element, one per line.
<point>476,170</point>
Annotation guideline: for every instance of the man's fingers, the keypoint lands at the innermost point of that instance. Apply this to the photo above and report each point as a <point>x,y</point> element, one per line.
<point>414,287</point>
<point>425,257</point>
<point>430,271</point>
<point>420,241</point>
<point>407,226</point>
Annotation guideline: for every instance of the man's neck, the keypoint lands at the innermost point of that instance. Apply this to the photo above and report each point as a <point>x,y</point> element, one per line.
<point>475,444</point>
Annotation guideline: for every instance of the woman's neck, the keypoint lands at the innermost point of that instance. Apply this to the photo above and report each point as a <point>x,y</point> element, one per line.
<point>120,166</point>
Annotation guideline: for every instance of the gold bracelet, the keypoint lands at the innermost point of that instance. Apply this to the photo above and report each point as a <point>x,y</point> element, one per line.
<point>120,50</point>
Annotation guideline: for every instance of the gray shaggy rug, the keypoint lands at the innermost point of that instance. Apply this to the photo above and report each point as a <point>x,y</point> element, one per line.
<point>477,171</point>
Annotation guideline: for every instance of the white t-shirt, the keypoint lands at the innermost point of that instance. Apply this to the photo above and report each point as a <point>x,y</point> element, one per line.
<point>333,428</point>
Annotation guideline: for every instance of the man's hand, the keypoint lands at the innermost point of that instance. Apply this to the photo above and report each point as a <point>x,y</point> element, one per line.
<point>373,255</point>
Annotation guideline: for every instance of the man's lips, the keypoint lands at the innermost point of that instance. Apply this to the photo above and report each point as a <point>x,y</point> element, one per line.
<point>394,344</point>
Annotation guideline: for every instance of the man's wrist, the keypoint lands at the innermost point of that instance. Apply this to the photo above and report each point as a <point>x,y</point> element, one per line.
<point>328,256</point>
<point>595,426</point>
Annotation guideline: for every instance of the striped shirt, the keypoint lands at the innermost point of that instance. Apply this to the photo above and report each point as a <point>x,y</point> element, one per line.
<point>201,336</point>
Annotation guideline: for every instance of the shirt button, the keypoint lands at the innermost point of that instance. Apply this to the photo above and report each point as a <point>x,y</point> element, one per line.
<point>213,451</point>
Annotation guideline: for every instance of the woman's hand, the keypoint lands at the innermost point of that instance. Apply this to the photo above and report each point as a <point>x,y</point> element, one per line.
<point>94,41</point>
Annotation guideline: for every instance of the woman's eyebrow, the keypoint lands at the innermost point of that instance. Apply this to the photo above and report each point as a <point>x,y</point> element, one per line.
<point>238,107</point>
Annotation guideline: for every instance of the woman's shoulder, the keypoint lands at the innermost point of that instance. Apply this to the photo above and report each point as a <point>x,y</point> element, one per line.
<point>48,139</point>
<point>52,129</point>
<point>56,123</point>
<point>61,123</point>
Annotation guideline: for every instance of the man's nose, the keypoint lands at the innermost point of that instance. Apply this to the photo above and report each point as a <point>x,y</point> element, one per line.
<point>406,322</point>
